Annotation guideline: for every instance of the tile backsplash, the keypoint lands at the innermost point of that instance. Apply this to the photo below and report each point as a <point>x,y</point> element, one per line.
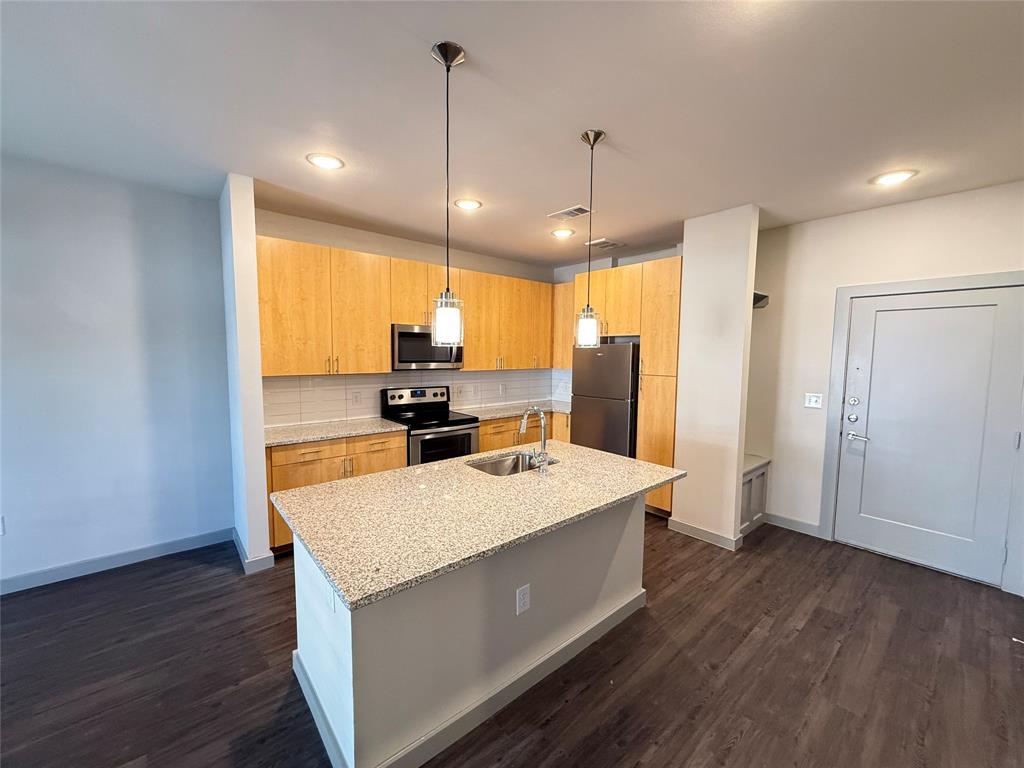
<point>303,399</point>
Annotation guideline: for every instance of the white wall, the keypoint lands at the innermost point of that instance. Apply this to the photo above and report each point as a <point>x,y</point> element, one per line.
<point>244,367</point>
<point>309,231</point>
<point>802,265</point>
<point>114,389</point>
<point>719,252</point>
<point>601,260</point>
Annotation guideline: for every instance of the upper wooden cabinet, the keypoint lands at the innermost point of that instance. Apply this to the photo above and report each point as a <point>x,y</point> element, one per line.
<point>622,300</point>
<point>414,286</point>
<point>481,296</point>
<point>361,316</point>
<point>598,283</point>
<point>507,322</point>
<point>294,283</point>
<point>562,319</point>
<point>659,316</point>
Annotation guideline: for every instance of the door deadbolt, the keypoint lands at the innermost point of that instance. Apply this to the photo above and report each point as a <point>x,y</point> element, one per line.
<point>852,417</point>
<point>854,400</point>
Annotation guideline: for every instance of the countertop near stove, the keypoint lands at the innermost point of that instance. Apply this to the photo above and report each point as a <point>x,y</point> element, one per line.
<point>505,410</point>
<point>328,430</point>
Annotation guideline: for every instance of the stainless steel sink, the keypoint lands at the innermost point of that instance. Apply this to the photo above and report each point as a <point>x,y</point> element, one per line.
<point>508,464</point>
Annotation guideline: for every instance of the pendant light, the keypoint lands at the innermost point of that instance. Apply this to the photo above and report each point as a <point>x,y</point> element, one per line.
<point>446,320</point>
<point>588,324</point>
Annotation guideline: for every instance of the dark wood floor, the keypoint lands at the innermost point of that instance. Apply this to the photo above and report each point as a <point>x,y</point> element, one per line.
<point>792,652</point>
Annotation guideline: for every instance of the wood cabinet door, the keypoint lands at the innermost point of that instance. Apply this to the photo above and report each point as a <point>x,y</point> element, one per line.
<point>656,430</point>
<point>286,477</point>
<point>499,433</point>
<point>560,427</point>
<point>659,316</point>
<point>622,300</point>
<point>294,287</point>
<point>514,325</point>
<point>377,461</point>
<point>436,283</point>
<point>562,318</point>
<point>482,297</point>
<point>540,311</point>
<point>409,303</point>
<point>598,282</point>
<point>361,299</point>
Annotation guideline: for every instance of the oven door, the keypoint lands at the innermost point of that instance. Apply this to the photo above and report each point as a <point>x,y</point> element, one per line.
<point>447,443</point>
<point>411,349</point>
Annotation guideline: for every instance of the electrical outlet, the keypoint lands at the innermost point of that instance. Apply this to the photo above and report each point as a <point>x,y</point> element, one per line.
<point>812,400</point>
<point>357,396</point>
<point>522,599</point>
<point>502,389</point>
<point>460,391</point>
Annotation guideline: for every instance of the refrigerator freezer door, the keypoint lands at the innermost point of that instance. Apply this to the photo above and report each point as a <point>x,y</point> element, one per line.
<point>608,425</point>
<point>608,371</point>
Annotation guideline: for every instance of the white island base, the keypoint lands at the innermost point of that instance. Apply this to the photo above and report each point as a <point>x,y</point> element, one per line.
<point>395,682</point>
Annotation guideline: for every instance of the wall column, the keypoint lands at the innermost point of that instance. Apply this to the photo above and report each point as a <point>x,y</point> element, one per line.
<point>245,382</point>
<point>716,302</point>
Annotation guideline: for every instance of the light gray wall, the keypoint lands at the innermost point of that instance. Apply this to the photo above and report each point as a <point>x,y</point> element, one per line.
<point>309,231</point>
<point>802,265</point>
<point>114,388</point>
<point>602,260</point>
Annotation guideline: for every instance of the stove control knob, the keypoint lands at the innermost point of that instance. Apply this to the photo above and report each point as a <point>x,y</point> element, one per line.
<point>435,394</point>
<point>401,397</point>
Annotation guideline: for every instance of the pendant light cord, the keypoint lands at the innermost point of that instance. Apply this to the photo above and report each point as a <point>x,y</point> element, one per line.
<point>590,221</point>
<point>447,163</point>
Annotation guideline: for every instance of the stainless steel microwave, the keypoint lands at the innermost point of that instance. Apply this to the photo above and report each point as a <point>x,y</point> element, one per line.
<point>411,349</point>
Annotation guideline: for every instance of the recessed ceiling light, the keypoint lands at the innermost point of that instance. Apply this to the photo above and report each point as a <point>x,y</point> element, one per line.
<point>467,204</point>
<point>327,162</point>
<point>562,233</point>
<point>891,178</point>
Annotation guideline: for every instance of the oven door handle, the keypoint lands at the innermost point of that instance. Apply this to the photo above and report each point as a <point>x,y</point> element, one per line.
<point>427,434</point>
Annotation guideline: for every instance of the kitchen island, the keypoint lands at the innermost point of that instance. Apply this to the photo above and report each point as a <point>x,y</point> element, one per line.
<point>412,621</point>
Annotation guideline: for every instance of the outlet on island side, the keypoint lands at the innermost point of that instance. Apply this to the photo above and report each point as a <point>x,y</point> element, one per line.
<point>522,599</point>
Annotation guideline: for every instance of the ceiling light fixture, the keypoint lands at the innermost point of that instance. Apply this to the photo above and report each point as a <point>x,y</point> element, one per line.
<point>468,205</point>
<point>446,323</point>
<point>588,324</point>
<point>892,178</point>
<point>327,162</point>
<point>562,233</point>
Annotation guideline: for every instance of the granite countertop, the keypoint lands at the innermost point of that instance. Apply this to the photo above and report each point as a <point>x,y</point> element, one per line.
<point>327,430</point>
<point>378,534</point>
<point>488,412</point>
<point>752,461</point>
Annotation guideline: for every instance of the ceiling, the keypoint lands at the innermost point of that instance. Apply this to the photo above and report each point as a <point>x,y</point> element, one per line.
<point>792,106</point>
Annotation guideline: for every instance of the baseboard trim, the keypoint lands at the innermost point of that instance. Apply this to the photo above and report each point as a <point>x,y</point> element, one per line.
<point>46,576</point>
<point>461,723</point>
<point>708,536</point>
<point>810,529</point>
<point>251,565</point>
<point>334,753</point>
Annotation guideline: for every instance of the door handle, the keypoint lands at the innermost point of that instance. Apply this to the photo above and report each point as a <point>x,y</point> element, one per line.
<point>855,436</point>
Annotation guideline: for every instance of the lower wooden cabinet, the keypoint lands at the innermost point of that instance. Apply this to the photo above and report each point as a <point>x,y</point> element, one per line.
<point>656,430</point>
<point>560,427</point>
<point>496,434</point>
<point>295,466</point>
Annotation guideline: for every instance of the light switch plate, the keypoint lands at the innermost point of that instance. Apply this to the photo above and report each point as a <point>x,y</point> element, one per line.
<point>812,400</point>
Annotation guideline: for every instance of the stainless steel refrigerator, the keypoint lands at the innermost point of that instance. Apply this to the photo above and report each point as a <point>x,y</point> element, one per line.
<point>605,381</point>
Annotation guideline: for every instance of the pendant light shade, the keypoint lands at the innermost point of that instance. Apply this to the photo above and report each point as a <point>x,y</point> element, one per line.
<point>446,319</point>
<point>588,324</point>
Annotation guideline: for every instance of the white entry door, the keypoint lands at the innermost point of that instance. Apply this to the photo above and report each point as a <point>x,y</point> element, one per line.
<point>931,414</point>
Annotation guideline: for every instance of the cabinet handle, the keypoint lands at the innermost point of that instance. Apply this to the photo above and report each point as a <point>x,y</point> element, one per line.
<point>327,364</point>
<point>335,364</point>
<point>348,466</point>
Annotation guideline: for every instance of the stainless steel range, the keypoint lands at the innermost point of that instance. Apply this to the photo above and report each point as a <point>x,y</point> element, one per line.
<point>435,431</point>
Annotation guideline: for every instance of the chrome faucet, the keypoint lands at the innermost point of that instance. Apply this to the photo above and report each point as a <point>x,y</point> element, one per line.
<point>542,457</point>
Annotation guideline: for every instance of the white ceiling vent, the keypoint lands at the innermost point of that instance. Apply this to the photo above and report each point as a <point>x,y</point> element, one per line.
<point>570,213</point>
<point>603,244</point>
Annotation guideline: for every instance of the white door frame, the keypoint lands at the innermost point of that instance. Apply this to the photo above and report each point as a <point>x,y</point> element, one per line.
<point>1013,569</point>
